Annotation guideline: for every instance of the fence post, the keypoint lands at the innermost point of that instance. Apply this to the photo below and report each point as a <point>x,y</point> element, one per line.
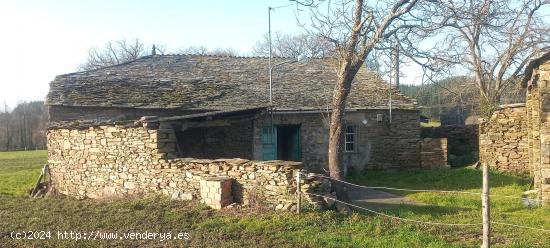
<point>486,208</point>
<point>298,191</point>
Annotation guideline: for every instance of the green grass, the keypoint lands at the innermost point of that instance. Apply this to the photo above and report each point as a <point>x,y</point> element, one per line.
<point>465,208</point>
<point>430,124</point>
<point>261,228</point>
<point>19,171</point>
<point>207,228</point>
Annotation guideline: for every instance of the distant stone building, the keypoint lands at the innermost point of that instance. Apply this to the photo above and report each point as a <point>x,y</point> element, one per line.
<point>113,128</point>
<point>517,137</point>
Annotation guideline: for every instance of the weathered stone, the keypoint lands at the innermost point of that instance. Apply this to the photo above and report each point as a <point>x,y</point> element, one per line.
<point>176,195</point>
<point>503,140</point>
<point>129,185</point>
<point>120,168</point>
<point>433,153</point>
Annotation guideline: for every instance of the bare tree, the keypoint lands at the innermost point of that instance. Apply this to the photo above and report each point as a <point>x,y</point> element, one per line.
<point>355,28</point>
<point>113,53</point>
<point>493,39</point>
<point>223,52</point>
<point>197,50</point>
<point>286,45</point>
<point>202,50</point>
<point>7,122</point>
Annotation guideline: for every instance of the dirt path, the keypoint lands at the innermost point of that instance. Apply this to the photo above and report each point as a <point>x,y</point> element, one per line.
<point>375,199</point>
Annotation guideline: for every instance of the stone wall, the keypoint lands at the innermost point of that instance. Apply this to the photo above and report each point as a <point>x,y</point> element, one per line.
<point>538,116</point>
<point>462,142</point>
<point>503,140</point>
<point>380,145</point>
<point>116,161</point>
<point>433,153</point>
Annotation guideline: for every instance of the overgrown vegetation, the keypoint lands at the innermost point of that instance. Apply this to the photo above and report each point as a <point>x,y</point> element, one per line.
<point>259,228</point>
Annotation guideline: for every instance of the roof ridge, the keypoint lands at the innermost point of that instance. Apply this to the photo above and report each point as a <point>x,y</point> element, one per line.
<point>178,55</point>
<point>104,67</point>
<point>224,56</point>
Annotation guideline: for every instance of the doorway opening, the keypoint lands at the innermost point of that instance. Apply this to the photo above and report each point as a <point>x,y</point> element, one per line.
<point>288,143</point>
<point>282,142</point>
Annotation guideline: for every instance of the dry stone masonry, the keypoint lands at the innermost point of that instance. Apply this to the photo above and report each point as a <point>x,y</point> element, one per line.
<point>517,136</point>
<point>117,161</point>
<point>434,153</point>
<point>503,140</point>
<point>538,131</point>
<point>462,142</point>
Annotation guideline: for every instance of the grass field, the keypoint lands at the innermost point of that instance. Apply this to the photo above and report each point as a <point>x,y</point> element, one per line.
<point>430,124</point>
<point>464,208</point>
<point>262,228</point>
<point>19,171</point>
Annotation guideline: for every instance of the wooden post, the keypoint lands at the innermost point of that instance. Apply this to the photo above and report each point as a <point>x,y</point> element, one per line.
<point>486,208</point>
<point>37,185</point>
<point>298,191</point>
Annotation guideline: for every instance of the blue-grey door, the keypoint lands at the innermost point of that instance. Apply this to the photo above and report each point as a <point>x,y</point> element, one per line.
<point>269,143</point>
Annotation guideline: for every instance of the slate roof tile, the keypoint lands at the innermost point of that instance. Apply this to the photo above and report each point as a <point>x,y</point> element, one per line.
<point>217,83</point>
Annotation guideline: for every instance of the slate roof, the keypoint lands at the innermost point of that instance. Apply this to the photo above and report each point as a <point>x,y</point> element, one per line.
<point>532,65</point>
<point>216,83</point>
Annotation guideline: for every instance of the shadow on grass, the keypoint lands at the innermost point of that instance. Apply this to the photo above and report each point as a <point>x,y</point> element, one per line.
<point>404,210</point>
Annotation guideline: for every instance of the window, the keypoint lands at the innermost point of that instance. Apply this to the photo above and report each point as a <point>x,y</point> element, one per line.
<point>350,138</point>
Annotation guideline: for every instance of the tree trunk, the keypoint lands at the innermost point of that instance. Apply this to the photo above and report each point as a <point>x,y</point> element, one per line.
<point>335,156</point>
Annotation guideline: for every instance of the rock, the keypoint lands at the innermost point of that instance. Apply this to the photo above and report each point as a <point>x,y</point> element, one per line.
<point>175,195</point>
<point>129,185</point>
<point>343,208</point>
<point>287,206</point>
<point>330,202</point>
<point>293,208</point>
<point>186,196</point>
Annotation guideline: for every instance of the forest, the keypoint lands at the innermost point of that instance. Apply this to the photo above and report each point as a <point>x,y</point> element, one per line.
<point>452,100</point>
<point>23,127</point>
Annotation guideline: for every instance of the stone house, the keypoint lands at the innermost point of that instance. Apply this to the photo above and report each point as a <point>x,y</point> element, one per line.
<point>217,107</point>
<point>156,111</point>
<point>517,136</point>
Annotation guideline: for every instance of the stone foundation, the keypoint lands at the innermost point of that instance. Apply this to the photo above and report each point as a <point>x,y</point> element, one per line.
<point>118,161</point>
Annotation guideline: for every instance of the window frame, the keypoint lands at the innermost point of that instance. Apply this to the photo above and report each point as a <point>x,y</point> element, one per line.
<point>354,140</point>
